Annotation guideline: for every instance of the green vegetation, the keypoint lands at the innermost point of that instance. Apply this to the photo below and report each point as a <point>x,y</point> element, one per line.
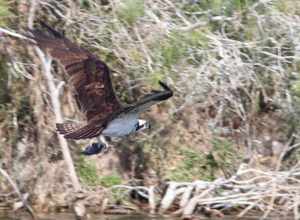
<point>225,156</point>
<point>197,165</point>
<point>220,7</point>
<point>89,175</point>
<point>87,172</point>
<point>4,12</point>
<point>192,166</point>
<point>289,7</point>
<point>179,45</point>
<point>296,88</point>
<point>16,112</point>
<point>84,4</point>
<point>110,180</point>
<point>172,50</point>
<point>130,11</point>
<point>176,49</point>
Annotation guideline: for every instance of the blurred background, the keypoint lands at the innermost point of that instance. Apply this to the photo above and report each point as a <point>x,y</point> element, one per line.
<point>233,65</point>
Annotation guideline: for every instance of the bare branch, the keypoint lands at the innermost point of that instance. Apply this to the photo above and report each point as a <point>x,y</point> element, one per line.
<point>54,91</point>
<point>15,187</point>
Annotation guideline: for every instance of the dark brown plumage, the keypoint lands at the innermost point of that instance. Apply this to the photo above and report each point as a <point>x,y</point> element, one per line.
<point>93,89</point>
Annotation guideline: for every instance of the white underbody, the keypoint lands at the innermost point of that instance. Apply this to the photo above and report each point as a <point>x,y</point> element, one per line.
<point>121,126</point>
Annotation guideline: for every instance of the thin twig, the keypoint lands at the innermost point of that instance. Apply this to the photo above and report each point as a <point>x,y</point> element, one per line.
<point>15,187</point>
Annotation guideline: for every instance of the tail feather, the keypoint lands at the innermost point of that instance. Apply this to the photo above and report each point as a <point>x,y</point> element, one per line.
<point>85,132</point>
<point>75,131</point>
<point>65,128</point>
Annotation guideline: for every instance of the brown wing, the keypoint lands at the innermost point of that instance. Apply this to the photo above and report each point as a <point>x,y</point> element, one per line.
<point>89,76</point>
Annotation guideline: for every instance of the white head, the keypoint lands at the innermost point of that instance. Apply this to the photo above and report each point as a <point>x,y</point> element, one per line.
<point>141,125</point>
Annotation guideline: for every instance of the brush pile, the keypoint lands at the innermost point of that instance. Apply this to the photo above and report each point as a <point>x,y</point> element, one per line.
<point>248,192</point>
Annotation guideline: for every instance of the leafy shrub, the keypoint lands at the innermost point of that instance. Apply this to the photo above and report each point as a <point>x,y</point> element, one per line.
<point>131,10</point>
<point>88,174</point>
<point>4,12</point>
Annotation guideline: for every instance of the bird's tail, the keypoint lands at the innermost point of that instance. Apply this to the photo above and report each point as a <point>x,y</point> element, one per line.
<point>66,128</point>
<point>77,131</point>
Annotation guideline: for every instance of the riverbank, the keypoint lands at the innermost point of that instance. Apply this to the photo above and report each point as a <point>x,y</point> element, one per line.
<point>234,68</point>
<point>249,192</point>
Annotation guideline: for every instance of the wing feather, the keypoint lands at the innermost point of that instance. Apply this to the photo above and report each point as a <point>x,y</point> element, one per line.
<point>153,98</point>
<point>65,128</point>
<point>92,85</point>
<point>89,75</point>
<point>88,131</point>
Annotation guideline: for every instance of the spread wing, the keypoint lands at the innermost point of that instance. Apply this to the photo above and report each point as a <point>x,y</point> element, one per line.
<point>89,76</point>
<point>94,129</point>
<point>152,98</point>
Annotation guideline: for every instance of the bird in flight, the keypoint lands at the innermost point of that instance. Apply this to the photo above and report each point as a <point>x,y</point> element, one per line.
<point>94,94</point>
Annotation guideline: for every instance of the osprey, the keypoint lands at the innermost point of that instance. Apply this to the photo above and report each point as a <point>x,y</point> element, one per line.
<point>94,94</point>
